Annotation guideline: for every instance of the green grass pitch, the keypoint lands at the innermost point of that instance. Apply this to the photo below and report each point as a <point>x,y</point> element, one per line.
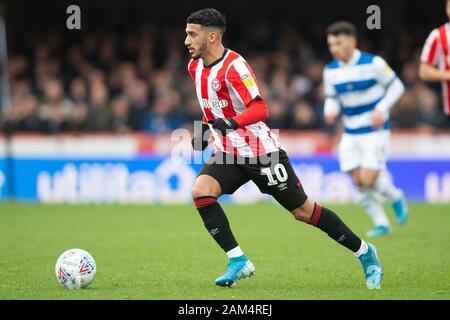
<point>164,252</point>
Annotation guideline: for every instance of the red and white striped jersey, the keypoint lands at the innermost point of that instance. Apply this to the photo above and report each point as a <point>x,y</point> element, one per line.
<point>224,90</point>
<point>436,53</point>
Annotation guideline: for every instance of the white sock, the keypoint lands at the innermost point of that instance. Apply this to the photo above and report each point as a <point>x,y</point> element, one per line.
<point>362,250</point>
<point>234,253</point>
<point>373,207</point>
<point>385,186</point>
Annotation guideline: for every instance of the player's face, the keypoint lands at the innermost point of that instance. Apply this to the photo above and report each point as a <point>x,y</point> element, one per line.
<point>196,40</point>
<point>341,47</point>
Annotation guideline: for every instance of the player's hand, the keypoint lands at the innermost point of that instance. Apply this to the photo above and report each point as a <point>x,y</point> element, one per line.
<point>224,125</point>
<point>200,140</point>
<point>330,118</point>
<point>378,119</point>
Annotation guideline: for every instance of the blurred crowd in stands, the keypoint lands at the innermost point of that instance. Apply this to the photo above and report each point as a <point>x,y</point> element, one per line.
<point>138,80</point>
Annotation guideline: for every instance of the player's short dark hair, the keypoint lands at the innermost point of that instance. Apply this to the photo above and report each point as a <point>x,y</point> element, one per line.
<point>342,27</point>
<point>208,18</point>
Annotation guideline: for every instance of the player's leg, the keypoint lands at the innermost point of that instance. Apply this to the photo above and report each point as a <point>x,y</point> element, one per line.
<point>214,180</point>
<point>375,156</point>
<point>365,180</point>
<point>280,180</point>
<point>357,153</point>
<point>329,222</point>
<point>395,196</point>
<point>385,186</point>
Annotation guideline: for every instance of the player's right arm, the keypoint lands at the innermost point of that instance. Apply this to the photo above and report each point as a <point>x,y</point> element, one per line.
<point>332,106</point>
<point>429,60</point>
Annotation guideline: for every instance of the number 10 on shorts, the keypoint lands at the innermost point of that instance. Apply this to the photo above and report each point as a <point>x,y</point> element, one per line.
<point>279,171</point>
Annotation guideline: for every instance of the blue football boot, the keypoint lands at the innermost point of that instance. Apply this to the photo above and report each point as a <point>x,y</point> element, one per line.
<point>237,268</point>
<point>372,268</point>
<point>400,207</point>
<point>378,231</point>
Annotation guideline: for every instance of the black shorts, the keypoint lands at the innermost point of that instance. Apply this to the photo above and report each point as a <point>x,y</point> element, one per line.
<point>272,173</point>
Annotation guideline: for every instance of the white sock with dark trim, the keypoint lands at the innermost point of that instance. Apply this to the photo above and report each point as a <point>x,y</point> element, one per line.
<point>235,252</point>
<point>362,250</point>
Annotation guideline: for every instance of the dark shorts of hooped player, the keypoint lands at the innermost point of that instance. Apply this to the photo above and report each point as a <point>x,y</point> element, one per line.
<point>272,173</point>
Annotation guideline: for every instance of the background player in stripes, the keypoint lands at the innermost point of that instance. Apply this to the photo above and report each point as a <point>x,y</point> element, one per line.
<point>235,112</point>
<point>363,87</point>
<point>435,59</point>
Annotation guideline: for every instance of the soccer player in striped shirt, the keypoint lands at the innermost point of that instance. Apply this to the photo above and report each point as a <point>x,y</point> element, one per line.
<point>234,114</point>
<point>435,59</point>
<point>363,88</point>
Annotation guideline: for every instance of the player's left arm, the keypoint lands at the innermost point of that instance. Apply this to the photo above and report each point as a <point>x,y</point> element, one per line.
<point>394,91</point>
<point>242,80</point>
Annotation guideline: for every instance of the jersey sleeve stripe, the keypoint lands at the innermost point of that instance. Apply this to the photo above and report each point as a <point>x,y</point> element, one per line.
<point>444,41</point>
<point>432,53</point>
<point>235,79</point>
<point>192,67</point>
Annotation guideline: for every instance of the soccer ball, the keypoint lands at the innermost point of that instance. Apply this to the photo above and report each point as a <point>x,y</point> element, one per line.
<point>75,269</point>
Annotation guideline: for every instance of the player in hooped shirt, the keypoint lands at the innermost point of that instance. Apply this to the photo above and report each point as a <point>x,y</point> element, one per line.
<point>435,59</point>
<point>234,114</point>
<point>363,88</point>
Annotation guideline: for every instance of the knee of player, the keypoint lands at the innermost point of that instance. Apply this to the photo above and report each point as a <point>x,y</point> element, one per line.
<point>367,182</point>
<point>301,216</point>
<point>198,191</point>
<point>358,182</point>
<point>203,190</point>
<point>304,212</point>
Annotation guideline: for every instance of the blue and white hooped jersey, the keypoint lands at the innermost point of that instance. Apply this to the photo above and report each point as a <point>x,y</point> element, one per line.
<point>358,86</point>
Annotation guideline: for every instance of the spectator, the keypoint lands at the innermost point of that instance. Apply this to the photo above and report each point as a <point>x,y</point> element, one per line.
<point>99,113</point>
<point>120,115</point>
<point>55,103</point>
<point>303,116</point>
<point>61,84</point>
<point>163,116</point>
<point>278,114</point>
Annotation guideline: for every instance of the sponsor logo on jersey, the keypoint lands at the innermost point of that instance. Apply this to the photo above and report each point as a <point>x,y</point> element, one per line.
<point>211,103</point>
<point>248,80</point>
<point>388,70</point>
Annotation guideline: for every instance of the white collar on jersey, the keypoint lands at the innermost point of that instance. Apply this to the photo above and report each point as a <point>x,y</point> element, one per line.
<point>353,60</point>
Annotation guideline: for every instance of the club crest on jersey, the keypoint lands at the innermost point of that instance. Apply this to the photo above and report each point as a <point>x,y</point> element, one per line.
<point>215,84</point>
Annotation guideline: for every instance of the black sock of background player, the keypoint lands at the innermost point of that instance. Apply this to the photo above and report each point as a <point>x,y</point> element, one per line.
<point>216,222</point>
<point>327,221</point>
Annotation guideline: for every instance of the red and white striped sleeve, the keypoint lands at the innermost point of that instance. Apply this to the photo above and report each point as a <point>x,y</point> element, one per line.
<point>191,67</point>
<point>243,81</point>
<point>431,50</point>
